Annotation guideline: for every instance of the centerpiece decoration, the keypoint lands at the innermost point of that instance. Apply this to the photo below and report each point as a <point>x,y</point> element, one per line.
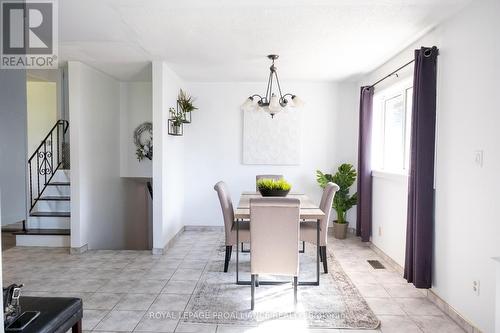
<point>273,187</point>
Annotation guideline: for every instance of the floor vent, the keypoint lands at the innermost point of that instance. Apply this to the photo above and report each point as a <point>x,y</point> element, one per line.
<point>376,264</point>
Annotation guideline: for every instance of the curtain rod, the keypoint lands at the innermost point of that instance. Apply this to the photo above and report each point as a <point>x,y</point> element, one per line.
<point>392,73</point>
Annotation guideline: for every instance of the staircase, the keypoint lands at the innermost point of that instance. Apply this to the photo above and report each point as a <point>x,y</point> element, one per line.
<point>49,220</point>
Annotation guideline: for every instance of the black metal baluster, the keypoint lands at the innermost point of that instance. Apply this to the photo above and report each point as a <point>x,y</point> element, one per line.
<point>58,146</point>
<point>31,185</point>
<point>38,171</point>
<point>51,153</point>
<point>45,161</point>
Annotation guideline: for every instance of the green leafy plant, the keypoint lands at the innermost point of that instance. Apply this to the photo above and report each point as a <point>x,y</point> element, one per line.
<point>186,102</point>
<point>177,117</point>
<point>273,184</point>
<point>344,178</point>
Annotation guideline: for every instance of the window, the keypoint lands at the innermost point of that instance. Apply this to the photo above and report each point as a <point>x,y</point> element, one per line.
<point>391,128</point>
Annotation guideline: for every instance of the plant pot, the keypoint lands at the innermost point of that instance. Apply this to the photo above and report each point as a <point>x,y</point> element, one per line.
<point>340,230</point>
<point>273,193</point>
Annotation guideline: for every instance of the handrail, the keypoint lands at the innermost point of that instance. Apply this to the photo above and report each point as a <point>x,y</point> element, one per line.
<point>46,166</point>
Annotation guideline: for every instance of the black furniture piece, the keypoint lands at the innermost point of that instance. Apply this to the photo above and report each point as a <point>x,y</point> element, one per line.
<point>57,314</point>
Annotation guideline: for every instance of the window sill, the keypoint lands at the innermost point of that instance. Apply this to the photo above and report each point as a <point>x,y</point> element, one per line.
<point>389,174</point>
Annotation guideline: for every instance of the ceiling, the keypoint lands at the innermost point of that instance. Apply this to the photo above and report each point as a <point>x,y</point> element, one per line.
<point>227,40</point>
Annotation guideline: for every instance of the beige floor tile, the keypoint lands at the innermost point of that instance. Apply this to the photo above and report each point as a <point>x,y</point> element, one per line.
<point>372,290</point>
<point>433,324</point>
<point>120,321</point>
<point>136,302</point>
<point>170,302</point>
<point>179,287</point>
<point>91,318</point>
<point>385,306</point>
<point>398,324</point>
<point>195,328</point>
<point>102,301</point>
<point>418,306</point>
<point>403,290</point>
<point>156,324</point>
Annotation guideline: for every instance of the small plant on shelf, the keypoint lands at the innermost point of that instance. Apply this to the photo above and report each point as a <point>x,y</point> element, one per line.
<point>273,187</point>
<point>343,201</point>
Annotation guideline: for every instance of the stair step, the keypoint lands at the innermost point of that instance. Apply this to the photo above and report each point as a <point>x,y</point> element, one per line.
<point>44,232</point>
<point>59,184</point>
<point>51,214</point>
<point>55,198</point>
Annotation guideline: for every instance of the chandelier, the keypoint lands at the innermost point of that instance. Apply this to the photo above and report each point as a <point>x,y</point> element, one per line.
<point>272,103</point>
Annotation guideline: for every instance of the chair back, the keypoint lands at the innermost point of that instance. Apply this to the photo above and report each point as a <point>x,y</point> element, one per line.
<point>274,236</point>
<point>326,204</point>
<point>227,207</point>
<point>274,177</point>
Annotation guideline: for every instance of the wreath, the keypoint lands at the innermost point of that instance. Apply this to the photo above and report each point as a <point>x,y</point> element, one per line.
<point>143,139</point>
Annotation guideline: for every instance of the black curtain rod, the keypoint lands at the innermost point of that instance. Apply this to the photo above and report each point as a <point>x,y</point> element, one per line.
<point>392,73</point>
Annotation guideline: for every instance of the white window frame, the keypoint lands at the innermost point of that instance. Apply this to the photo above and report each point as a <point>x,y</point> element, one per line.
<point>379,100</point>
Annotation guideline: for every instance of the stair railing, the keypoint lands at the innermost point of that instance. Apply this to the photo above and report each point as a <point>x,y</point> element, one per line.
<point>46,160</point>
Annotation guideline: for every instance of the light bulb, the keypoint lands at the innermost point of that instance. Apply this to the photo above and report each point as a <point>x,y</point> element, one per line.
<point>248,104</point>
<point>297,102</point>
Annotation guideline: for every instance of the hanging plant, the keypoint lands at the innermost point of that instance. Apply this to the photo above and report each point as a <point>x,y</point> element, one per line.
<point>186,105</point>
<point>143,139</point>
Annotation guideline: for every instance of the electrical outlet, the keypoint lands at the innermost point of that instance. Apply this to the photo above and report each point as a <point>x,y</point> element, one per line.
<point>475,287</point>
<point>380,231</point>
<point>478,158</point>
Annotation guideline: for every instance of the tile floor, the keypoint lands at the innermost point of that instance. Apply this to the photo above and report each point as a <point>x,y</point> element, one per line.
<point>120,288</point>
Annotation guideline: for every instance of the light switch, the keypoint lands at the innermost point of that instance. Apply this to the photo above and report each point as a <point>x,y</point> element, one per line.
<point>478,158</point>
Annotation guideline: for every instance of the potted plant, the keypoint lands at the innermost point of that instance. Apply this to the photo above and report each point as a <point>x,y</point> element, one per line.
<point>176,120</point>
<point>273,187</point>
<point>186,104</point>
<point>343,201</point>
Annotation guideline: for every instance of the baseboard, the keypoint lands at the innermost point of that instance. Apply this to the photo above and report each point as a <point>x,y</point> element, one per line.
<point>79,250</point>
<point>394,265</point>
<point>451,312</point>
<point>432,296</point>
<point>170,243</point>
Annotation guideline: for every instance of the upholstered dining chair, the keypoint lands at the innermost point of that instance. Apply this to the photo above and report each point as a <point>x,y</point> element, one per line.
<point>274,237</point>
<point>274,177</point>
<point>229,225</point>
<point>308,229</point>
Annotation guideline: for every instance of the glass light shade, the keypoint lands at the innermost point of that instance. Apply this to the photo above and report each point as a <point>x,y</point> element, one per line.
<point>248,104</point>
<point>274,104</point>
<point>297,102</point>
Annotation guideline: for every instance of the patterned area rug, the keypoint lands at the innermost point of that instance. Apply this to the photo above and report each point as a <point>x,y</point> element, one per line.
<point>336,303</point>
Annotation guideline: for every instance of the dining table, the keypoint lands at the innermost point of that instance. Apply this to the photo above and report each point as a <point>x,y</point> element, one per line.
<point>309,211</point>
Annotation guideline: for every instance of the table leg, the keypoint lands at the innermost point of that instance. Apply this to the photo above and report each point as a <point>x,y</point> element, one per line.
<point>237,249</point>
<point>317,254</point>
<point>77,328</point>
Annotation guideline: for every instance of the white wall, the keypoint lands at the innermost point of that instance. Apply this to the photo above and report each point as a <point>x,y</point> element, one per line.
<point>213,144</point>
<point>135,109</point>
<point>168,160</point>
<point>467,230</point>
<point>42,111</point>
<point>103,215</point>
<point>13,146</point>
<point>389,200</point>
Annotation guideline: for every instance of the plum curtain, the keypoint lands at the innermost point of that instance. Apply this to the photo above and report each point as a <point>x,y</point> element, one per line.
<point>364,206</point>
<point>420,221</point>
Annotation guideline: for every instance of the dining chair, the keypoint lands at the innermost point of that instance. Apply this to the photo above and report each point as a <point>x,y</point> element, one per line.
<point>229,225</point>
<point>274,177</point>
<point>274,235</point>
<point>308,230</point>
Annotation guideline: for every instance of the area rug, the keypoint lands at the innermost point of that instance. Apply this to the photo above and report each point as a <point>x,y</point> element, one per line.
<point>336,303</point>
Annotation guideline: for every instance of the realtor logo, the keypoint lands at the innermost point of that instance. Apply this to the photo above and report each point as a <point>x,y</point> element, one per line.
<point>28,34</point>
